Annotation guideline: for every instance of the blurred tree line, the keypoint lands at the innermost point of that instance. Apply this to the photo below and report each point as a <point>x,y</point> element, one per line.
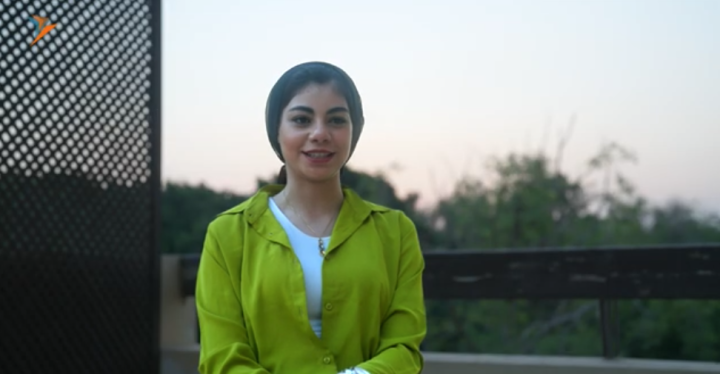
<point>526,201</point>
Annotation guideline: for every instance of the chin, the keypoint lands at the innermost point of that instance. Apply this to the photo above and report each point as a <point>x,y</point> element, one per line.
<point>318,176</point>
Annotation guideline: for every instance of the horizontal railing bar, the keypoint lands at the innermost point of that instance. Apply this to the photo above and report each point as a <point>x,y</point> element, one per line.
<point>687,271</point>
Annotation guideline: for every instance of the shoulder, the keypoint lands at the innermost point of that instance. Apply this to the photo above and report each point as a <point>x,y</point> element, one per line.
<point>226,232</point>
<point>228,219</point>
<point>397,234</point>
<point>385,218</point>
<point>391,216</point>
<point>248,210</point>
<point>231,221</point>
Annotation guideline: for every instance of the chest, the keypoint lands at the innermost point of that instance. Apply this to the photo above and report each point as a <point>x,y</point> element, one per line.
<point>362,270</point>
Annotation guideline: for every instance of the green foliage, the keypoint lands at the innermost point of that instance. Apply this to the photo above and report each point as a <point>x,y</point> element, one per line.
<point>530,205</point>
<point>527,202</point>
<point>186,212</point>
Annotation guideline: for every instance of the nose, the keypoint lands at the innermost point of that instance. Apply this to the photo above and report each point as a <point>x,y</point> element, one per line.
<point>319,131</point>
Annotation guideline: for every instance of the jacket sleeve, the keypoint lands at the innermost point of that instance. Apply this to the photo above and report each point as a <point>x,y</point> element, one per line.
<point>405,324</point>
<point>224,347</point>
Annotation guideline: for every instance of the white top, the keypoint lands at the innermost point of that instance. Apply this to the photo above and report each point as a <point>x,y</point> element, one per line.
<point>307,251</point>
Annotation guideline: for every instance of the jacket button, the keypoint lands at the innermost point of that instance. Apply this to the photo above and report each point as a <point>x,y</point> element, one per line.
<point>327,359</point>
<point>328,306</point>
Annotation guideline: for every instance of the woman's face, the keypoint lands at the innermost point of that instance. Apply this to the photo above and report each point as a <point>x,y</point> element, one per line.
<point>315,133</point>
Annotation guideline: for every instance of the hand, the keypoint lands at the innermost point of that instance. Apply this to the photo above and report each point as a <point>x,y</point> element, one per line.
<point>354,370</point>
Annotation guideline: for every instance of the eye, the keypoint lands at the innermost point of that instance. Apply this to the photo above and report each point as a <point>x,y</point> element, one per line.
<point>301,120</point>
<point>338,121</point>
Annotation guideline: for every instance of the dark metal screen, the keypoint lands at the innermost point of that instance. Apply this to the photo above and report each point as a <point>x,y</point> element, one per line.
<point>79,187</point>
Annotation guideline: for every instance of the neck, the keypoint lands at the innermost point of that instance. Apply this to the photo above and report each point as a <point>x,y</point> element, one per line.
<point>314,200</point>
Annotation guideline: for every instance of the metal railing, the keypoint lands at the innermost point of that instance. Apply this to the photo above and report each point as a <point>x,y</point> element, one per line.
<point>607,274</point>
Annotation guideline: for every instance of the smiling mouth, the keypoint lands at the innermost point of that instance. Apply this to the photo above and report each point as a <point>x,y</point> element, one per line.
<point>318,155</point>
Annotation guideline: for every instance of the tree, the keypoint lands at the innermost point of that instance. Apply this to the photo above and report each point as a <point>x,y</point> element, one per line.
<point>528,202</point>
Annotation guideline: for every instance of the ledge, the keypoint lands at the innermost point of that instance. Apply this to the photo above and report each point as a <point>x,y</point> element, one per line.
<point>461,363</point>
<point>183,360</point>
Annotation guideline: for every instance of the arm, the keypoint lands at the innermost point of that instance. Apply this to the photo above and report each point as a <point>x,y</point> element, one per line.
<point>224,347</point>
<point>405,326</point>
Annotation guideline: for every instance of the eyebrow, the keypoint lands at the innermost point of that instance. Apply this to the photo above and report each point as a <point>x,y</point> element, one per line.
<point>309,110</point>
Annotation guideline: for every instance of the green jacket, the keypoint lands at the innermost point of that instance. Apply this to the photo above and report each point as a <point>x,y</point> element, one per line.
<point>251,302</point>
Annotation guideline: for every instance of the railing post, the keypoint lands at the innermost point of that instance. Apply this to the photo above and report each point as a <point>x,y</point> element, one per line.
<point>610,328</point>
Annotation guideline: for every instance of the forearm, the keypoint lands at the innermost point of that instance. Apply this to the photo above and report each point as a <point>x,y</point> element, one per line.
<point>230,360</point>
<point>396,360</point>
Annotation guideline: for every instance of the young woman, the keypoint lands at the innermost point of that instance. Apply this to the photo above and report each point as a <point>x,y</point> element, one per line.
<point>305,277</point>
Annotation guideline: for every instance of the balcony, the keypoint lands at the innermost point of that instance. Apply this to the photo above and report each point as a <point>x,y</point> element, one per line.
<point>605,274</point>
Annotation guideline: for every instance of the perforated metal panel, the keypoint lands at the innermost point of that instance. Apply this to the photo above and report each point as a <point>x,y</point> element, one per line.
<point>79,187</point>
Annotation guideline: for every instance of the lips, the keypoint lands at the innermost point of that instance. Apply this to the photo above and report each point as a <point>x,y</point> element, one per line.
<point>318,155</point>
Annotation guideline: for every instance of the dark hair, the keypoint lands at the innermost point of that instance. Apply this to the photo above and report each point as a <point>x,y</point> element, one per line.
<point>295,80</point>
<point>282,176</point>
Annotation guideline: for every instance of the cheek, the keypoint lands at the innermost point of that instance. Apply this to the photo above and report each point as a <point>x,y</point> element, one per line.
<point>288,141</point>
<point>344,137</point>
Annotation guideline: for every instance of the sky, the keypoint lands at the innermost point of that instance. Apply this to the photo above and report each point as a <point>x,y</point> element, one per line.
<point>446,85</point>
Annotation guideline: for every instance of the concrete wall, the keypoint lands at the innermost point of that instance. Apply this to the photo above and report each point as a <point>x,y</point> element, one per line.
<point>178,326</point>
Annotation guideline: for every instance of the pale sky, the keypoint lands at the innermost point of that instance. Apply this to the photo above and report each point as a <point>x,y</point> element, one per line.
<point>446,84</point>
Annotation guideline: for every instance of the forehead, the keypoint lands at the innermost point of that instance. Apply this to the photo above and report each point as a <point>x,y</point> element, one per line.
<point>317,95</point>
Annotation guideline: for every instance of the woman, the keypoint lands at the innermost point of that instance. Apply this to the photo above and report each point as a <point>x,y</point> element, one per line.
<point>305,277</point>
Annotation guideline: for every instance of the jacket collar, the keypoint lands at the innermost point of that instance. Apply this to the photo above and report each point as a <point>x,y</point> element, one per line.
<point>353,213</point>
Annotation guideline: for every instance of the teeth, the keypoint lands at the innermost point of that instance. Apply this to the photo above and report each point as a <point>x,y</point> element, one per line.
<point>318,155</point>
